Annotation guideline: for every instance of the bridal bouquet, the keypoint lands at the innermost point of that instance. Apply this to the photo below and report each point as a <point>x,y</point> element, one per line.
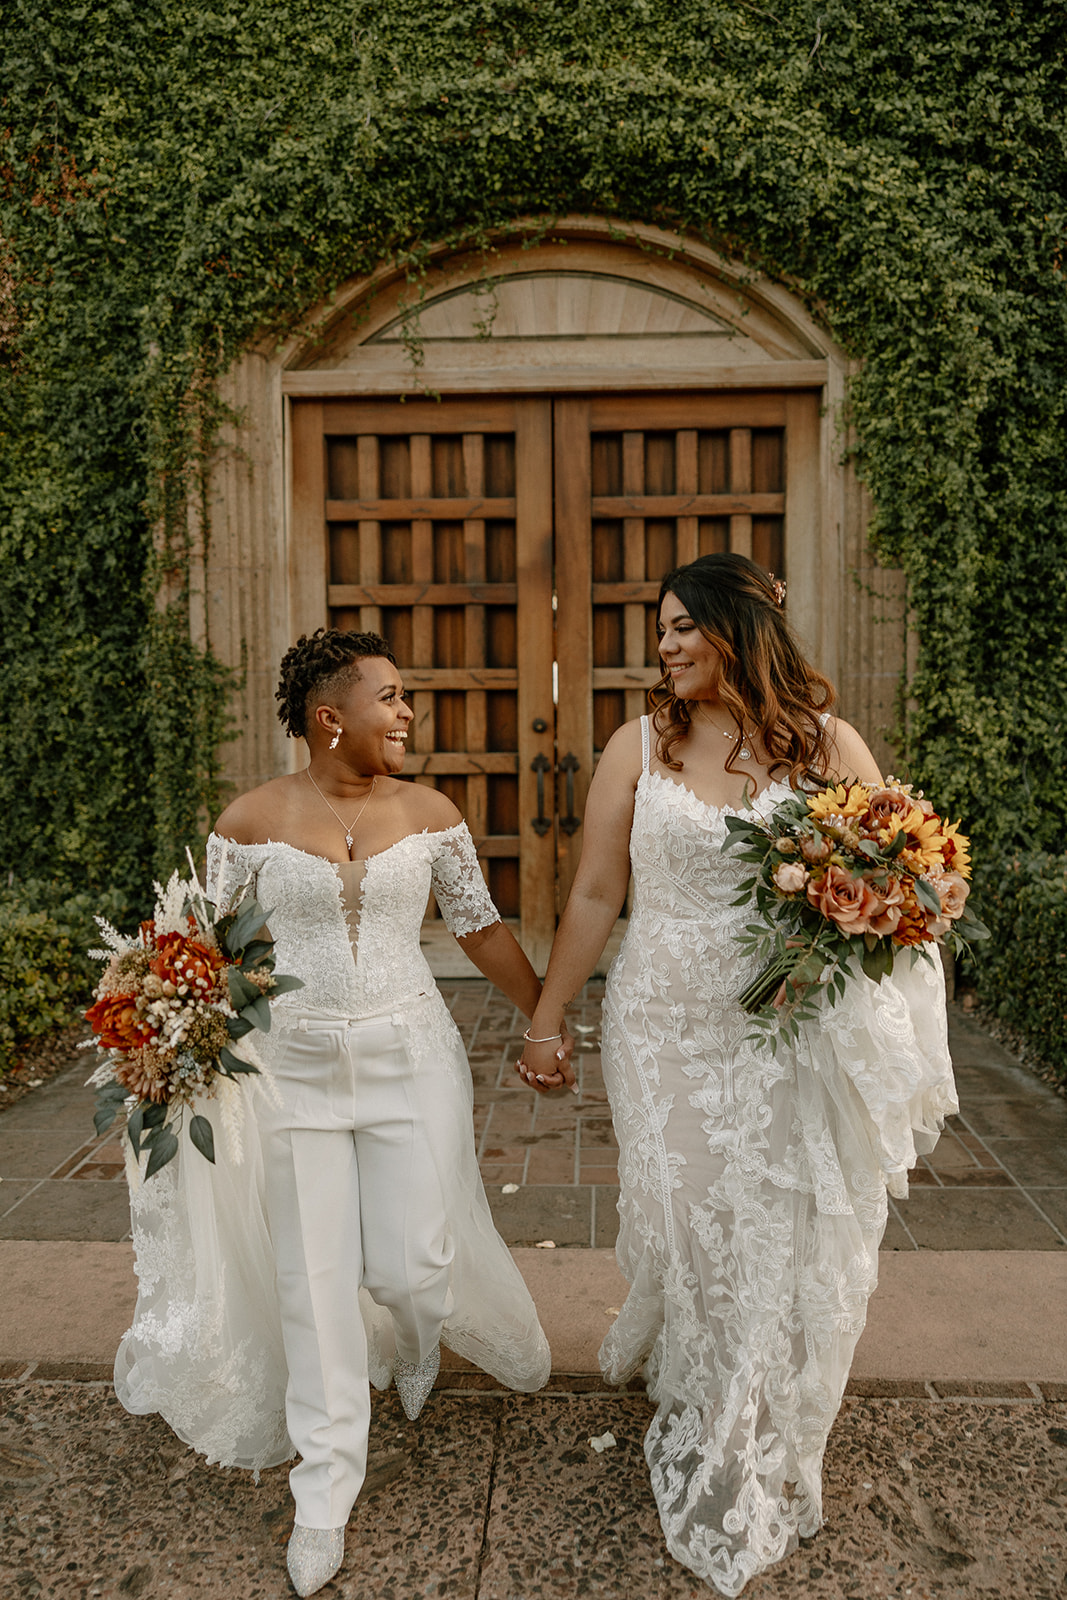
<point>167,1009</point>
<point>846,878</point>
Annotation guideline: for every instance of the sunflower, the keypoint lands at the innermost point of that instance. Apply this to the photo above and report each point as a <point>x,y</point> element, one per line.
<point>956,850</point>
<point>840,800</point>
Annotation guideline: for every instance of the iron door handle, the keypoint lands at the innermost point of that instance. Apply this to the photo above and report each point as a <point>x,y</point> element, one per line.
<point>570,764</point>
<point>541,823</point>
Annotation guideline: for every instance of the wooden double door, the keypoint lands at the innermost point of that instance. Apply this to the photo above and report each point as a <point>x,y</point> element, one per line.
<point>511,550</point>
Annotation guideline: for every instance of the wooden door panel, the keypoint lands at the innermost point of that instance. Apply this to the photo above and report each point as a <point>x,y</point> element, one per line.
<point>431,524</point>
<point>644,484</point>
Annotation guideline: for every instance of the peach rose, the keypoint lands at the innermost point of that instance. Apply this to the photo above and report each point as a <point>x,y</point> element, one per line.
<point>789,876</point>
<point>816,849</point>
<point>848,901</point>
<point>887,803</point>
<point>890,898</point>
<point>952,891</point>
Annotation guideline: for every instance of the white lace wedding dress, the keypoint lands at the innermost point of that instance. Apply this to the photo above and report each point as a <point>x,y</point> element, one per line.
<point>753,1191</point>
<point>205,1346</point>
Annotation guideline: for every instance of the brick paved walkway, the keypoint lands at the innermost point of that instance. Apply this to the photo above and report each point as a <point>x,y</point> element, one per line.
<point>996,1181</point>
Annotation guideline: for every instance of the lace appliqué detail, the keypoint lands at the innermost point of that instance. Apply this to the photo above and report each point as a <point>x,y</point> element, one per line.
<point>753,1193</point>
<point>204,1350</point>
<point>303,894</point>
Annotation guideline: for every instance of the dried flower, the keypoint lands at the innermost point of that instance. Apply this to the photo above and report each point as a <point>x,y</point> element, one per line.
<point>205,1035</point>
<point>164,1015</point>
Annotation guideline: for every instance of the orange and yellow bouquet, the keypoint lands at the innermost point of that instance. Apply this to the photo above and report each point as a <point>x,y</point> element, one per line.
<point>169,1006</point>
<point>846,878</point>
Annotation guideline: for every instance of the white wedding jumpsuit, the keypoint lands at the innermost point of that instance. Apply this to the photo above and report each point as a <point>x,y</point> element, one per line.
<point>355,1226</point>
<point>753,1189</point>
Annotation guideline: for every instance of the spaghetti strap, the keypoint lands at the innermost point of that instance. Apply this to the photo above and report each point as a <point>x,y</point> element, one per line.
<point>644,744</point>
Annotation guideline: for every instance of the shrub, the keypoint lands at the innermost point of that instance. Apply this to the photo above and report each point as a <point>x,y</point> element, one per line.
<point>45,973</point>
<point>1022,971</point>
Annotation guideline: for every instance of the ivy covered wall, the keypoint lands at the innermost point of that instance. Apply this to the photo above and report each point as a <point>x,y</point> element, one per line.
<point>175,180</point>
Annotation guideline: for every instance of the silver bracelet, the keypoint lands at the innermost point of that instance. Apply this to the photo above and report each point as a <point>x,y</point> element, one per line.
<point>546,1040</point>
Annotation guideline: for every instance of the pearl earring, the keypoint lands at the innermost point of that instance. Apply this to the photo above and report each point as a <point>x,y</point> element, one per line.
<point>335,739</point>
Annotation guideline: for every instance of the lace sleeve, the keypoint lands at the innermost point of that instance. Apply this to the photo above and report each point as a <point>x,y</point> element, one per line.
<point>458,885</point>
<point>230,868</point>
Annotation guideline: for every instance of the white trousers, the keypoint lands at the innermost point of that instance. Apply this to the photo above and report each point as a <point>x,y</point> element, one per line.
<point>354,1197</point>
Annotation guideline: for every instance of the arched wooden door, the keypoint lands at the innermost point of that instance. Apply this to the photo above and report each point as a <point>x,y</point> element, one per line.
<point>511,550</point>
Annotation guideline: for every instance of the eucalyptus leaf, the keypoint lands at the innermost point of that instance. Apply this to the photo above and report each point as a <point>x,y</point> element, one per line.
<point>286,982</point>
<point>135,1127</point>
<point>254,954</point>
<point>258,1013</point>
<point>927,896</point>
<point>104,1116</point>
<point>895,845</point>
<point>203,1138</point>
<point>242,990</point>
<point>248,923</point>
<point>233,1064</point>
<point>164,1149</point>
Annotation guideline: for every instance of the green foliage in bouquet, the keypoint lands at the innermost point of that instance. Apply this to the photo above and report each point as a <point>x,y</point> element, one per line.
<point>175,182</point>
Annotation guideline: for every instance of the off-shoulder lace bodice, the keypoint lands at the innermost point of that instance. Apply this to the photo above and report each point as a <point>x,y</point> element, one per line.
<point>314,929</point>
<point>205,1349</point>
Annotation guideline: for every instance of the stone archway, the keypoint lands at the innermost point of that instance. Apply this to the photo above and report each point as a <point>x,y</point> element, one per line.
<point>658,401</point>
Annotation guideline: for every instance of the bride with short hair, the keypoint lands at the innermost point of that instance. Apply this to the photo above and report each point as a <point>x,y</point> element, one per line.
<point>355,1237</point>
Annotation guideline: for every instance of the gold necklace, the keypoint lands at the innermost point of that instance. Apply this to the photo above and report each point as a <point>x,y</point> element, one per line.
<point>359,813</point>
<point>745,752</point>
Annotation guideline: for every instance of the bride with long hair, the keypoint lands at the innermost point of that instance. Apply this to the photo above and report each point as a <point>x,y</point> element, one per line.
<point>753,1184</point>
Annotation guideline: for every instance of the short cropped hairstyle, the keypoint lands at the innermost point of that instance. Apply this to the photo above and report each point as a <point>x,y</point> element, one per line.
<point>317,666</point>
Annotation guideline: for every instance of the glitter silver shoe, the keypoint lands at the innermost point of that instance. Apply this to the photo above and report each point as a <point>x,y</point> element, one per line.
<point>414,1381</point>
<point>314,1555</point>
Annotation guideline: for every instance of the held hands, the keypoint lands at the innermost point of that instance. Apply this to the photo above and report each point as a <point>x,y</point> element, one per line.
<point>545,1063</point>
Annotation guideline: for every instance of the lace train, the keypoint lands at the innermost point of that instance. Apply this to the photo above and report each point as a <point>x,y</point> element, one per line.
<point>753,1195</point>
<point>205,1347</point>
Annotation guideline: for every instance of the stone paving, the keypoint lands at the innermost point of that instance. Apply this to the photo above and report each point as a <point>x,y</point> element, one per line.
<point>955,1490</point>
<point>493,1497</point>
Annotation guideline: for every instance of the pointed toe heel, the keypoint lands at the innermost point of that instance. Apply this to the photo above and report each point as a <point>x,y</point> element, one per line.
<point>414,1380</point>
<point>313,1556</point>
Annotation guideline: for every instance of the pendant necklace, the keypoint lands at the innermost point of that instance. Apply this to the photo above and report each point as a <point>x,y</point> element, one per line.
<point>349,830</point>
<point>744,754</point>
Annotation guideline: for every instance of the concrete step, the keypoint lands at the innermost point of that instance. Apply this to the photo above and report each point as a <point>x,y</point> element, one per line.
<point>968,1316</point>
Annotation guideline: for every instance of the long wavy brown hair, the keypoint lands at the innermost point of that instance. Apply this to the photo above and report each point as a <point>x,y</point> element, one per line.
<point>766,685</point>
